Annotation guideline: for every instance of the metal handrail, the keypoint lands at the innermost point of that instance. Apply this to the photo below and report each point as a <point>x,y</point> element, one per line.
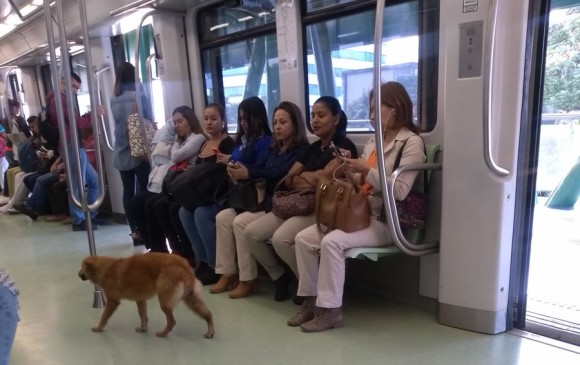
<point>413,249</point>
<point>388,192</point>
<point>58,97</point>
<point>104,131</point>
<point>138,88</point>
<point>487,91</point>
<point>98,298</point>
<point>94,103</point>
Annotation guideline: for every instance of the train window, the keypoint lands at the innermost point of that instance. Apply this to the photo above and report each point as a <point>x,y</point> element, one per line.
<point>236,71</point>
<point>244,15</point>
<point>340,53</point>
<point>240,55</point>
<point>315,5</point>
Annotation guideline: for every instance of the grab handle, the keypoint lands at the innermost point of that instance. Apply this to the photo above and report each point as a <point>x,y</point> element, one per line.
<point>488,70</point>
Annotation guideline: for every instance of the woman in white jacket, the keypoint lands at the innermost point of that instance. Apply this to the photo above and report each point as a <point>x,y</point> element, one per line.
<point>320,257</point>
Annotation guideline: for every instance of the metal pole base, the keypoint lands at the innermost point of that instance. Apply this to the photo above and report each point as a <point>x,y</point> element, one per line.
<point>98,299</point>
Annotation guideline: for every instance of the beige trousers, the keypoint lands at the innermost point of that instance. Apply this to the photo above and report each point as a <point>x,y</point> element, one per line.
<point>232,253</point>
<point>282,233</point>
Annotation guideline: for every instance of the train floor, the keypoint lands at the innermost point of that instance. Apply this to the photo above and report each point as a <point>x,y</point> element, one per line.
<point>56,315</point>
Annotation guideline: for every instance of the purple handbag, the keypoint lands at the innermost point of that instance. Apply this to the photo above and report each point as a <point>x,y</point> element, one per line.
<point>412,210</point>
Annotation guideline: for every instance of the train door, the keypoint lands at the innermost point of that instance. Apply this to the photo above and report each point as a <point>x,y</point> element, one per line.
<point>547,238</point>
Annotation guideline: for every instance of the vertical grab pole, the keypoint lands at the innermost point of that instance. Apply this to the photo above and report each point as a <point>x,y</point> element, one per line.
<point>390,209</point>
<point>98,297</point>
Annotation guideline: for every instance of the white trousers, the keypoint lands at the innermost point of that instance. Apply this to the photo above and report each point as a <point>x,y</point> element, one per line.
<point>232,253</point>
<point>321,260</point>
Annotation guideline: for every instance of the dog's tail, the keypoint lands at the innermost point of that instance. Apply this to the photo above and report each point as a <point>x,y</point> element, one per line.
<point>192,298</point>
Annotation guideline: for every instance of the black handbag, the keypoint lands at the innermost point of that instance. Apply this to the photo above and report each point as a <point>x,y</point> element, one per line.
<point>197,185</point>
<point>246,195</point>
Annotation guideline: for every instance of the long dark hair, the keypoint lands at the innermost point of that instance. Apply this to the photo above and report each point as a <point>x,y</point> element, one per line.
<point>297,119</point>
<point>192,120</point>
<point>124,78</point>
<point>257,118</point>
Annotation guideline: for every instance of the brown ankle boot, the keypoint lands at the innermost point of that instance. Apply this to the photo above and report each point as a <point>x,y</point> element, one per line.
<point>324,318</point>
<point>305,313</point>
<point>245,289</point>
<point>225,283</point>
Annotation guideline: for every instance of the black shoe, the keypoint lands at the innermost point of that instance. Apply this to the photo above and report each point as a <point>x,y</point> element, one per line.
<point>137,240</point>
<point>201,267</point>
<point>282,285</point>
<point>208,277</point>
<point>83,227</point>
<point>25,209</point>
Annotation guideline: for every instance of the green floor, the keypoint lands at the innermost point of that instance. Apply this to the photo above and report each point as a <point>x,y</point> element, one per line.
<point>56,316</point>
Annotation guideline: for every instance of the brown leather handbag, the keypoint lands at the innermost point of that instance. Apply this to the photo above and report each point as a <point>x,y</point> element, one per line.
<point>342,205</point>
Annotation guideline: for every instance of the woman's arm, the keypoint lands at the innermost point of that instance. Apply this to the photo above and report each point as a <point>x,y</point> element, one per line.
<point>413,153</point>
<point>188,149</point>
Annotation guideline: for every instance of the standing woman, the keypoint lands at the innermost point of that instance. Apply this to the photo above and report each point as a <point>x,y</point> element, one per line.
<point>132,169</point>
<point>320,258</point>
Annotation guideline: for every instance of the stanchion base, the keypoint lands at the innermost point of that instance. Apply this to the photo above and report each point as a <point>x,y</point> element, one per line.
<point>98,299</point>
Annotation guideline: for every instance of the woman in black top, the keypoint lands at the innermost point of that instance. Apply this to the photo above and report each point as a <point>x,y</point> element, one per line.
<point>328,122</point>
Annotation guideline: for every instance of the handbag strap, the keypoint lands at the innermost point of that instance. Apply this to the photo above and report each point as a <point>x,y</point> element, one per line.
<point>398,161</point>
<point>317,210</point>
<point>293,176</point>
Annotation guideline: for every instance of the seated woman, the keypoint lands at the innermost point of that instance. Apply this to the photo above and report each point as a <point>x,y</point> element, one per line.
<point>186,146</point>
<point>321,257</point>
<point>254,137</point>
<point>329,124</point>
<point>289,143</point>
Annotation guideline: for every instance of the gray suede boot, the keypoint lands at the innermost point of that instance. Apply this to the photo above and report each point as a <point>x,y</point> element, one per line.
<point>324,318</point>
<point>305,313</point>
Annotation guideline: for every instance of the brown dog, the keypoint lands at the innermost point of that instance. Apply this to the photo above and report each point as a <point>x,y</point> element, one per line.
<point>140,277</point>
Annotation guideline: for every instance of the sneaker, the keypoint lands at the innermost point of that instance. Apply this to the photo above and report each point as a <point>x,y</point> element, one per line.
<point>82,227</point>
<point>23,208</point>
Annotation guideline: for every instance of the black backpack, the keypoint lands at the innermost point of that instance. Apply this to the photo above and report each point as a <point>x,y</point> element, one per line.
<point>27,157</point>
<point>49,132</point>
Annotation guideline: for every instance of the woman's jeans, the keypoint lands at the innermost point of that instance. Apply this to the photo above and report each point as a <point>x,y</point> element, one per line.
<point>8,322</point>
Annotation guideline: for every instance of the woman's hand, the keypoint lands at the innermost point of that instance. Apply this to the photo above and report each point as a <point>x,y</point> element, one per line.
<point>238,171</point>
<point>357,165</point>
<point>345,153</point>
<point>223,158</point>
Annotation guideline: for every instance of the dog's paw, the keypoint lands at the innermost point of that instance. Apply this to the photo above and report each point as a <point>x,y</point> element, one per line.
<point>208,334</point>
<point>97,329</point>
<point>161,334</point>
<point>141,329</point>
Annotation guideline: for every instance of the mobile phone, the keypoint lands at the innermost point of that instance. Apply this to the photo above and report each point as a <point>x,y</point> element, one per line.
<point>336,149</point>
<point>216,151</point>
